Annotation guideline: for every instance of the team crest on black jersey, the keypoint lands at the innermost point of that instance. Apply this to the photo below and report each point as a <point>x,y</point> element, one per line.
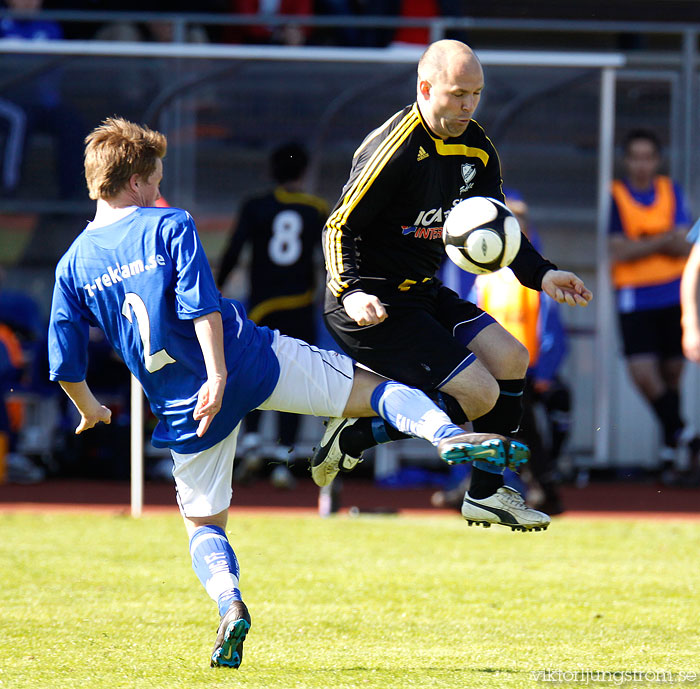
<point>468,173</point>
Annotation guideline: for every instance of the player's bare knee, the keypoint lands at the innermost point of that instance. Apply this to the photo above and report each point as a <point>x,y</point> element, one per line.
<point>514,361</point>
<point>479,398</point>
<point>486,401</point>
<point>192,523</point>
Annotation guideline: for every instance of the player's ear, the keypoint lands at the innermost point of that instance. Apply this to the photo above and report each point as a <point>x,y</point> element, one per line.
<point>424,87</point>
<point>134,182</point>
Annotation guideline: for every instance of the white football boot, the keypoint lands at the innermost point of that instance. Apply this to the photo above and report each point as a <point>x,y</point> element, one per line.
<point>506,507</point>
<point>328,459</point>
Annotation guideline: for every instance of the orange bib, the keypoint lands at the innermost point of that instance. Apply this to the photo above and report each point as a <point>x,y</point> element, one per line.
<point>638,221</point>
<point>515,307</point>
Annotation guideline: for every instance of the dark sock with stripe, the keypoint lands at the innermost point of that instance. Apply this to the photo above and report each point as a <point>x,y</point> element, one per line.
<point>368,432</point>
<point>504,418</point>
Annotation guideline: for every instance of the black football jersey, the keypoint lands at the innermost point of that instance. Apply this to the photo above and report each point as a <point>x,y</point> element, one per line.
<point>387,224</point>
<point>283,229</point>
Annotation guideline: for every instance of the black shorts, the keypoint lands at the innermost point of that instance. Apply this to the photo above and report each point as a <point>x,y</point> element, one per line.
<point>415,344</point>
<point>655,331</point>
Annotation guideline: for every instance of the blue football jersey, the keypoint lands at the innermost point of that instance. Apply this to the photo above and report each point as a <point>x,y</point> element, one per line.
<point>142,280</point>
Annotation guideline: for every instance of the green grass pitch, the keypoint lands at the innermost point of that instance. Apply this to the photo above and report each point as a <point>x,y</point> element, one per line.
<point>97,601</point>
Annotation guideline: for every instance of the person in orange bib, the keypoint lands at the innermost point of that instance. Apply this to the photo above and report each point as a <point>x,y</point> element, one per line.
<point>648,246</point>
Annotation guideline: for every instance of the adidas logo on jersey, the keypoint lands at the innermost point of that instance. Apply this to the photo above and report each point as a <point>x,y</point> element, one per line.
<point>422,155</point>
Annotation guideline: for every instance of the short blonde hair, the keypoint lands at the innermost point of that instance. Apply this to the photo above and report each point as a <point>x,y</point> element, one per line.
<point>115,151</point>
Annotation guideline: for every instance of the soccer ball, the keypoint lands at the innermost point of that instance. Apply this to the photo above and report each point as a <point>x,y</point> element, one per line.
<point>481,235</point>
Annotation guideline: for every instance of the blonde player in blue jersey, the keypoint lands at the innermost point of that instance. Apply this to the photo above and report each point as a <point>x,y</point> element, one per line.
<point>140,274</point>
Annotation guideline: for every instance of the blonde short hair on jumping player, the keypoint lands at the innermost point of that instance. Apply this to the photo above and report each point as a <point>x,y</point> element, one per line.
<point>115,151</point>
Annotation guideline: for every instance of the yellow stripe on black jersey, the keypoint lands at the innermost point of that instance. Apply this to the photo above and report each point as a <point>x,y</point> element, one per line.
<point>375,164</point>
<point>289,197</point>
<point>460,150</point>
<point>369,173</point>
<point>283,303</point>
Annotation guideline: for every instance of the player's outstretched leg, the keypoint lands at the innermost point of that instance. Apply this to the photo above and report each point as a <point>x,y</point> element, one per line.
<point>334,454</point>
<point>413,414</point>
<point>233,628</point>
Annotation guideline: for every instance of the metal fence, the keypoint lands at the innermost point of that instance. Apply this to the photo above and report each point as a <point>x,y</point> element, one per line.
<point>223,107</point>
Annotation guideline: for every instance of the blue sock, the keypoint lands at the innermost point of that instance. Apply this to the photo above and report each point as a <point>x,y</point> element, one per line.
<point>411,411</point>
<point>215,565</point>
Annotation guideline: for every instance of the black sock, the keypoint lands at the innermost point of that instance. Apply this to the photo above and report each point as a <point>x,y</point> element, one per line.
<point>449,405</point>
<point>505,416</point>
<point>362,435</point>
<point>484,483</point>
<point>667,408</point>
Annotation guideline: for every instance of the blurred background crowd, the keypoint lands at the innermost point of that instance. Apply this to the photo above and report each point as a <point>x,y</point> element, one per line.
<point>226,115</point>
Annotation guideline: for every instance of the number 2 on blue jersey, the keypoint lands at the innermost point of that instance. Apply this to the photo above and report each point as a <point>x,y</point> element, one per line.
<point>153,362</point>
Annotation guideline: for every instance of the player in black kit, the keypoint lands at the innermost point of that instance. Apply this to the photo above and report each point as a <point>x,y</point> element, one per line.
<point>283,227</point>
<point>384,305</point>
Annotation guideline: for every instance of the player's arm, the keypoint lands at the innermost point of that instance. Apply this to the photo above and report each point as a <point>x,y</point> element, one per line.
<point>91,411</point>
<point>378,169</point>
<point>240,232</point>
<point>67,348</point>
<point>566,287</point>
<point>690,319</point>
<point>198,300</point>
<point>210,335</point>
<point>536,272</point>
<point>528,265</point>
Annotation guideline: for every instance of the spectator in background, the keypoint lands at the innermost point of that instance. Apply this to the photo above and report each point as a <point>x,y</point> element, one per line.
<point>378,37</point>
<point>11,363</point>
<point>283,228</point>
<point>128,30</point>
<point>367,37</point>
<point>286,34</point>
<point>426,10</point>
<point>533,318</point>
<point>416,9</point>
<point>35,93</point>
<point>15,314</point>
<point>154,32</point>
<point>648,247</point>
<point>336,35</point>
